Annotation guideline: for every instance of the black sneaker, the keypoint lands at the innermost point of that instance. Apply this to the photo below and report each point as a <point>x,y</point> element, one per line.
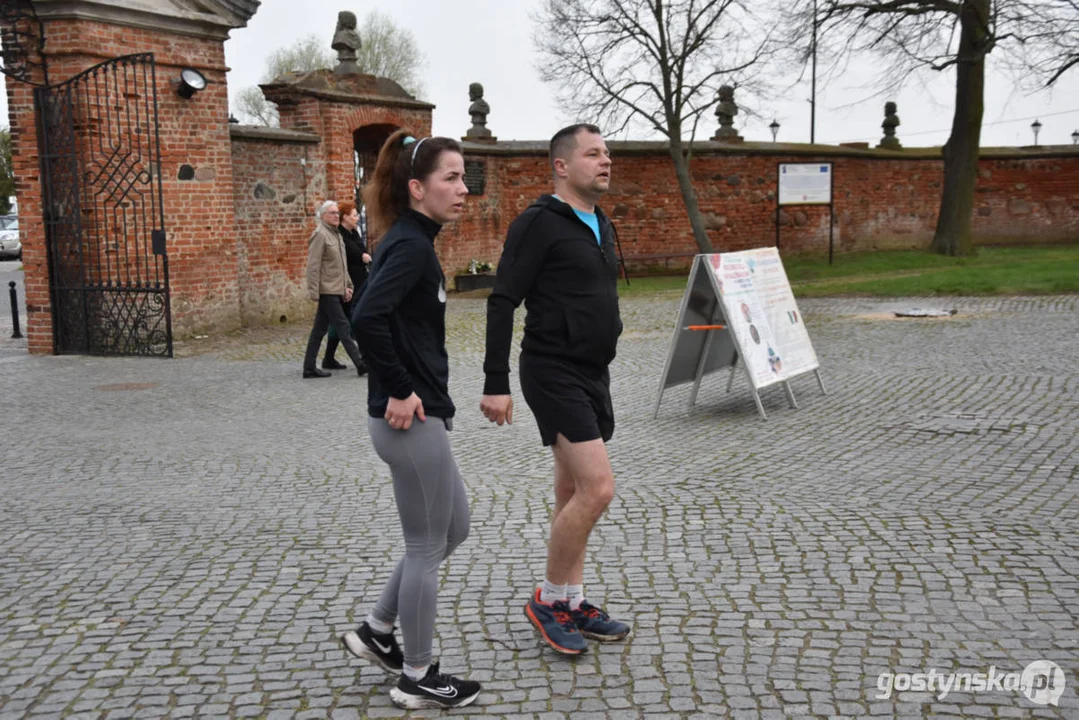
<point>382,650</point>
<point>435,690</point>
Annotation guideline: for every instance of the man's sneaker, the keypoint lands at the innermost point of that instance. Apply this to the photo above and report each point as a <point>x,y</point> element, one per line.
<point>555,625</point>
<point>382,650</point>
<point>594,623</point>
<point>435,690</point>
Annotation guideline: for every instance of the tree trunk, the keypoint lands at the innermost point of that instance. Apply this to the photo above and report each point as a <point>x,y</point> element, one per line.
<point>689,195</point>
<point>953,234</point>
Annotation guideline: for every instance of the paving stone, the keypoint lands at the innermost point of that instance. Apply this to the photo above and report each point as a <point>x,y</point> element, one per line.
<point>195,549</point>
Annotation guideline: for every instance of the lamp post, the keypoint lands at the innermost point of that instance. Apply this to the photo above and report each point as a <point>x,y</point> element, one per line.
<point>774,127</point>
<point>1075,138</point>
<point>813,86</point>
<point>1036,126</point>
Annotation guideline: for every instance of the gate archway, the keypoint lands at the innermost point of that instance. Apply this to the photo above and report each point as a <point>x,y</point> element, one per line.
<point>366,142</point>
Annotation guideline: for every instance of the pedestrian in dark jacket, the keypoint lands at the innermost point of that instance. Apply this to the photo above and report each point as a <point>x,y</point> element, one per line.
<point>329,284</point>
<point>559,259</point>
<point>358,260</point>
<point>418,186</point>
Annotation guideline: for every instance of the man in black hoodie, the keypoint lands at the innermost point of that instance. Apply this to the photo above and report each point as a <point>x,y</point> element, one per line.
<point>559,259</point>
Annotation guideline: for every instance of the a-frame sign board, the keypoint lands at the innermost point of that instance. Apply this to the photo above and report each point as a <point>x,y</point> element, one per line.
<point>739,305</point>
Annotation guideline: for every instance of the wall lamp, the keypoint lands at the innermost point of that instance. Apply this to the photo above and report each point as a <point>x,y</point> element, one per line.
<point>191,81</point>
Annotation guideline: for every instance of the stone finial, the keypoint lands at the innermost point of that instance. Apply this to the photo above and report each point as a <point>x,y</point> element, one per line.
<point>346,41</point>
<point>478,110</point>
<point>725,111</point>
<point>891,121</point>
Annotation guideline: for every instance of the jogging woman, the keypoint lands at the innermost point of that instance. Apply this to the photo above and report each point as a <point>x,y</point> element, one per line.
<point>418,186</point>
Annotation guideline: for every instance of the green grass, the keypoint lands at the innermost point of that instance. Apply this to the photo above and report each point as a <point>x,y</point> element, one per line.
<point>650,284</point>
<point>1036,270</point>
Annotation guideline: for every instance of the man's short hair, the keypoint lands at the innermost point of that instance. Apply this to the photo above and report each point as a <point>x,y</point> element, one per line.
<point>565,140</point>
<point>324,207</point>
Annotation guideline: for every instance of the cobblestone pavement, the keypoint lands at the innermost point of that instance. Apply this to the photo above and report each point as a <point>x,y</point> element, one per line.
<point>188,538</point>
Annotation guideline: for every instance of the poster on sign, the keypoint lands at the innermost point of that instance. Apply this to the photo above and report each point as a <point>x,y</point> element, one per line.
<point>739,305</point>
<point>805,183</point>
<point>763,314</point>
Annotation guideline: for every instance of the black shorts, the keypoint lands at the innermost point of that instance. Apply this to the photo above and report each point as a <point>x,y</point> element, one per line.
<point>567,398</point>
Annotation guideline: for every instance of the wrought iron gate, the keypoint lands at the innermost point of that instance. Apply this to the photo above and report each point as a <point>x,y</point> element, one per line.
<point>102,203</point>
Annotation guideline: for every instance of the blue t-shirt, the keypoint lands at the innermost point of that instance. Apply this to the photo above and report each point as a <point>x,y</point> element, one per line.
<point>591,220</point>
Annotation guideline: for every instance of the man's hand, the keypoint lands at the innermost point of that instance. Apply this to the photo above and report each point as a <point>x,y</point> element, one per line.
<point>497,408</point>
<point>399,413</point>
<point>366,259</point>
<point>348,294</point>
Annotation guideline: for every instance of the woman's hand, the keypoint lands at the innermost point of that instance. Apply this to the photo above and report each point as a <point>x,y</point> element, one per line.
<point>399,413</point>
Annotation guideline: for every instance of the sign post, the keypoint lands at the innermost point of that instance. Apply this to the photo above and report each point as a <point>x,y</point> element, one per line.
<point>807,184</point>
<point>739,305</point>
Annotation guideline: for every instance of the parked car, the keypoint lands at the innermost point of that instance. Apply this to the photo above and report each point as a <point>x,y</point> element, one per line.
<point>10,245</point>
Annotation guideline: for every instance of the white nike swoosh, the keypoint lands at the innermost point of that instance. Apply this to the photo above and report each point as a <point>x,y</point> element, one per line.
<point>380,646</point>
<point>446,692</point>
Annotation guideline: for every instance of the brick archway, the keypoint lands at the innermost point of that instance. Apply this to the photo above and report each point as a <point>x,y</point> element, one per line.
<point>357,133</point>
<point>417,120</point>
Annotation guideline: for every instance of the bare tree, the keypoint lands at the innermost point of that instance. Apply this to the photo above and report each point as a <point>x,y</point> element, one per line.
<point>1051,47</point>
<point>305,55</point>
<point>387,50</point>
<point>656,63</point>
<point>390,51</point>
<point>254,109</point>
<point>941,34</point>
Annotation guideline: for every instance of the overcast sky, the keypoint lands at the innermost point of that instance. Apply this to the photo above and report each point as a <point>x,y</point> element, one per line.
<point>490,41</point>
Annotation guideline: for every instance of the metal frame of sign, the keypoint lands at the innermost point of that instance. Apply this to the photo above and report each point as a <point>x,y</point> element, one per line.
<point>708,350</point>
<point>830,203</point>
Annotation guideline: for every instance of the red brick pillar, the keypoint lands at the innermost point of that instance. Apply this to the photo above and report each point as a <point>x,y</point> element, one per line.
<point>196,159</point>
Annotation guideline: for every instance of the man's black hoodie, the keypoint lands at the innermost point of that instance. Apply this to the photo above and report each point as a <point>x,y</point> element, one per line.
<point>401,320</point>
<point>568,283</point>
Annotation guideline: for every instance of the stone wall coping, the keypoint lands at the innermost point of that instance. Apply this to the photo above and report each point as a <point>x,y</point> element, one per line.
<point>274,89</point>
<point>212,19</point>
<point>649,147</point>
<point>259,132</point>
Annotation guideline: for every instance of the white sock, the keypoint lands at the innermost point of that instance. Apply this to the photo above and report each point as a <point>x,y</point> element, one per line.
<point>551,592</point>
<point>415,674</point>
<point>378,627</point>
<point>575,593</point>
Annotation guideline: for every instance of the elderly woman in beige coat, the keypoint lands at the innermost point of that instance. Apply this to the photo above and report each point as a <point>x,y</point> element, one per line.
<point>329,284</point>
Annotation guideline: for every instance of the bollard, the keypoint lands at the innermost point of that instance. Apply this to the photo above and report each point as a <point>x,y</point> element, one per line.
<point>16,333</point>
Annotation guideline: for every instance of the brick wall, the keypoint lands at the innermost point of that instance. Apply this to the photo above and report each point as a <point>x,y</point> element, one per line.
<point>882,199</point>
<point>277,185</point>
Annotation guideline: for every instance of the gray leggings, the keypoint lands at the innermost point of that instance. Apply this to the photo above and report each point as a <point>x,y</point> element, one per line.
<point>433,507</point>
